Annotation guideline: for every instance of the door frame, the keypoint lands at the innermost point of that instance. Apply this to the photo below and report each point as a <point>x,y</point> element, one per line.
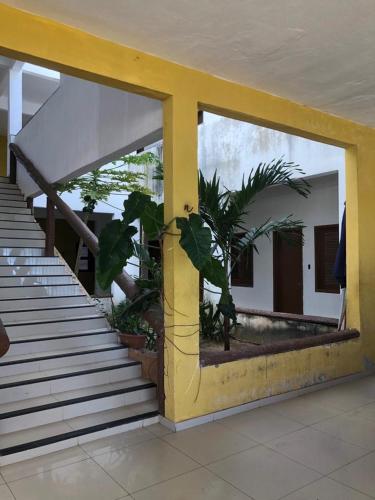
<point>275,239</point>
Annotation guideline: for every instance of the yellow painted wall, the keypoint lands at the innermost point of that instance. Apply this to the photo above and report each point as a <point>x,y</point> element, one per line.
<point>192,391</point>
<point>3,154</point>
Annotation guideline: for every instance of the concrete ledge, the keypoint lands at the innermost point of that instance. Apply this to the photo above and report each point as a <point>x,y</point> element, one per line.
<point>209,358</point>
<point>288,316</point>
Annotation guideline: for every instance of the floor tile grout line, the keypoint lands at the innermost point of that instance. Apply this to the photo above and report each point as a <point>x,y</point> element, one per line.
<point>48,470</point>
<point>323,474</point>
<point>118,449</point>
<point>301,488</point>
<point>228,482</point>
<point>209,463</point>
<point>10,490</point>
<point>166,480</point>
<point>348,486</point>
<point>349,463</point>
<point>110,476</point>
<point>340,438</point>
<point>303,426</point>
<point>159,482</point>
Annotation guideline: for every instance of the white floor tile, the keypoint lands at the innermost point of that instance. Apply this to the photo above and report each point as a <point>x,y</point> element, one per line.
<point>42,464</point>
<point>80,481</point>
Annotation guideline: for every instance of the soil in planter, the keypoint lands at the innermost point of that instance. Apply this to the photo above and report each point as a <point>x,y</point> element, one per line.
<point>260,330</point>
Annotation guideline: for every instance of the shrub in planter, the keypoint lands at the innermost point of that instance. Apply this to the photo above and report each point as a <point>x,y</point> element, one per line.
<point>134,332</point>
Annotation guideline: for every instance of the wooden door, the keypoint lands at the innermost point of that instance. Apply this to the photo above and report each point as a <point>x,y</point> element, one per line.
<point>287,272</point>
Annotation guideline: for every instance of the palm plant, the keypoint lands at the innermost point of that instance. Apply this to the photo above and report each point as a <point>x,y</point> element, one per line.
<point>223,216</point>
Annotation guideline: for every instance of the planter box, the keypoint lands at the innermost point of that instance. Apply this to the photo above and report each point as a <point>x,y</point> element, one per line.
<point>149,362</point>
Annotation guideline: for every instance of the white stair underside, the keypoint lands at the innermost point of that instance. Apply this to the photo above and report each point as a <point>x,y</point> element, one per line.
<point>65,378</point>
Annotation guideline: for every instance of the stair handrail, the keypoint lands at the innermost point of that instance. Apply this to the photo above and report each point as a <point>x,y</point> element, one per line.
<point>4,340</point>
<point>126,283</point>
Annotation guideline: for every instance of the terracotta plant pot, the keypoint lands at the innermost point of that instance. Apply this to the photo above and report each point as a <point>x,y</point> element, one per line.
<point>133,341</point>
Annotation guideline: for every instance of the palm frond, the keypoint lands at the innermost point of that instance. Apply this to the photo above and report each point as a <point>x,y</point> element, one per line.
<point>275,173</point>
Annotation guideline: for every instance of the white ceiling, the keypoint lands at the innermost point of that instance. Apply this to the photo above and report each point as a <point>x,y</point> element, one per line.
<point>317,52</point>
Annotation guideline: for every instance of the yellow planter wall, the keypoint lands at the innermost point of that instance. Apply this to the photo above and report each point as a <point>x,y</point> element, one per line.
<point>31,38</point>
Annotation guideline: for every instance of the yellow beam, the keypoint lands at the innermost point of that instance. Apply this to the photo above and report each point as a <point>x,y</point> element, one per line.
<point>36,39</point>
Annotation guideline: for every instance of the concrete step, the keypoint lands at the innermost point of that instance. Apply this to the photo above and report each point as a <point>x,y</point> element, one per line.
<point>23,271</point>
<point>34,304</point>
<point>49,314</point>
<point>42,343</point>
<point>37,291</point>
<point>44,439</point>
<point>65,325</point>
<point>31,385</point>
<point>26,363</point>
<point>34,412</point>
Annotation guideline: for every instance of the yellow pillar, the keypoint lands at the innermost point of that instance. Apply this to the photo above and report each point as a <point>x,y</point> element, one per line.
<point>365,190</point>
<point>352,239</point>
<point>181,287</point>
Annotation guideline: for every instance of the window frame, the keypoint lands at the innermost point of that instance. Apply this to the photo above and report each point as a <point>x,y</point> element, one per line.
<point>317,230</point>
<point>249,283</point>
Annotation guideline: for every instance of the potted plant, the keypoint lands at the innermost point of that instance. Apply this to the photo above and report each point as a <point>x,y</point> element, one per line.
<point>132,332</point>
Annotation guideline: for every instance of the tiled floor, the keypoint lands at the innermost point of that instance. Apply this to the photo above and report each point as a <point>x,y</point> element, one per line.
<point>320,446</point>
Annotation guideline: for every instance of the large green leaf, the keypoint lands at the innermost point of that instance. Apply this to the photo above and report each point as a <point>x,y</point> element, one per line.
<point>214,272</point>
<point>134,206</point>
<point>152,220</point>
<point>115,248</point>
<point>195,239</point>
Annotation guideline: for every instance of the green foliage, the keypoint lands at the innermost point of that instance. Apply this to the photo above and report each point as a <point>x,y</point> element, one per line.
<point>100,183</point>
<point>134,206</point>
<point>208,237</point>
<point>152,220</point>
<point>122,319</point>
<point>116,247</point>
<point>211,322</point>
<point>195,239</point>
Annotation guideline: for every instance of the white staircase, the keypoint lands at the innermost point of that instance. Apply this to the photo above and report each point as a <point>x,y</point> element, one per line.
<point>65,379</point>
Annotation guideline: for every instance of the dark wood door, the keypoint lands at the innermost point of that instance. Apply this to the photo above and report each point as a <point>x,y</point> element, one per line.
<point>287,272</point>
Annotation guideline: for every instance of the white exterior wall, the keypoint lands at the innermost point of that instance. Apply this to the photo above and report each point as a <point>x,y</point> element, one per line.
<point>321,208</point>
<point>232,148</point>
<point>84,125</point>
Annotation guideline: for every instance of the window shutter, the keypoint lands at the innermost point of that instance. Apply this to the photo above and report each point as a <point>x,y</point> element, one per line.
<point>243,271</point>
<point>326,244</point>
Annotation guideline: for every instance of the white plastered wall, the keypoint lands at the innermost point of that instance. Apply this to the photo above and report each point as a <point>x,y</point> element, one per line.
<point>84,125</point>
<point>321,208</point>
<point>232,148</point>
